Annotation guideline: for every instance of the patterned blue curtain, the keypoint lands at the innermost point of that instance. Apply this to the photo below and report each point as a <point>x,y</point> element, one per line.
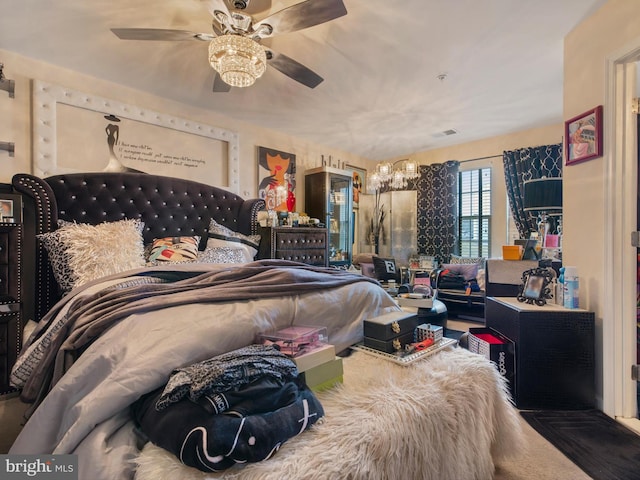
<point>437,192</point>
<point>528,164</point>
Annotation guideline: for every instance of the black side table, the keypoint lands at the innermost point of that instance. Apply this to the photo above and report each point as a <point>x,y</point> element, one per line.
<point>555,353</point>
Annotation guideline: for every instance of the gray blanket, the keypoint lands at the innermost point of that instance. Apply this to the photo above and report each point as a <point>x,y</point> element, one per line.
<point>86,412</point>
<point>89,316</point>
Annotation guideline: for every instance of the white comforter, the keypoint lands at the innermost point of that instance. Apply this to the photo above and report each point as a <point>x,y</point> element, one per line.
<point>87,411</point>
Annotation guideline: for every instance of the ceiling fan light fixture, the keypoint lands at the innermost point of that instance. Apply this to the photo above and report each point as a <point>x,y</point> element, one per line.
<point>239,60</point>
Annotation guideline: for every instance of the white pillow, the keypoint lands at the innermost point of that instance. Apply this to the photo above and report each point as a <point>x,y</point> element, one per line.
<point>221,236</point>
<point>79,252</point>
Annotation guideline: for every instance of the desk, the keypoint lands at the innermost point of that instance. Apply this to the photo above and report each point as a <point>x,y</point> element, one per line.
<point>555,352</point>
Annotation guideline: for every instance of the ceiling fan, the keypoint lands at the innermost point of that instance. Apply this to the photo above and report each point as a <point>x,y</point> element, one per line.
<point>235,52</point>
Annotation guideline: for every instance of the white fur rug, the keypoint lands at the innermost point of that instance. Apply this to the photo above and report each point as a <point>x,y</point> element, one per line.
<point>448,417</point>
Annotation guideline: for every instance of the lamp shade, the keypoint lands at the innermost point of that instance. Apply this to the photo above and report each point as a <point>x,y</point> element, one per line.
<point>543,194</point>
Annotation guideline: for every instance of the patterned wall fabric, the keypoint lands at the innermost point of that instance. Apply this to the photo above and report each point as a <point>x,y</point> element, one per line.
<point>528,164</point>
<point>438,210</point>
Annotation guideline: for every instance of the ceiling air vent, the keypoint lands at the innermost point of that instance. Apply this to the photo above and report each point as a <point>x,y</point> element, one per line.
<point>445,133</point>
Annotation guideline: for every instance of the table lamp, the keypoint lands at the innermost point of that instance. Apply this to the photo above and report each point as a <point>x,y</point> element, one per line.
<point>544,196</point>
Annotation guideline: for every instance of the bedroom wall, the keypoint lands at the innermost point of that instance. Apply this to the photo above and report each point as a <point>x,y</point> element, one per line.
<point>16,123</point>
<point>491,147</point>
<point>16,126</point>
<point>608,33</point>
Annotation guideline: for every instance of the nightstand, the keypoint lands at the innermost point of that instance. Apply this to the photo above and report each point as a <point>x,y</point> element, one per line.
<point>10,300</point>
<point>555,352</point>
<point>299,244</point>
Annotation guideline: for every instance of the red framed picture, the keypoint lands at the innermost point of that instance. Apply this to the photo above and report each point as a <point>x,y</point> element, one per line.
<point>277,179</point>
<point>583,136</point>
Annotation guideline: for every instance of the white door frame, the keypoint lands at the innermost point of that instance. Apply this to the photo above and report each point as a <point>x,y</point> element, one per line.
<point>619,319</point>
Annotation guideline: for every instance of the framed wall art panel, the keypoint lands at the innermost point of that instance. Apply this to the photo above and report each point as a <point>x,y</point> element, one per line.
<point>277,179</point>
<point>359,176</point>
<point>583,136</point>
<point>77,132</point>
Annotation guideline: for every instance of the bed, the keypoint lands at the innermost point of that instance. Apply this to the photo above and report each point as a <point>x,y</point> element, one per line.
<point>109,331</point>
<point>100,366</point>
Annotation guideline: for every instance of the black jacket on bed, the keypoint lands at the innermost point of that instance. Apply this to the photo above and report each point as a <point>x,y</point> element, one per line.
<point>215,442</point>
<point>236,407</point>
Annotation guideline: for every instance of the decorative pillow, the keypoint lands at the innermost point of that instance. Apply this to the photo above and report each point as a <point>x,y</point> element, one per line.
<point>466,260</point>
<point>79,252</point>
<point>221,236</point>
<point>386,269</point>
<point>469,271</point>
<point>174,249</point>
<point>480,278</point>
<point>368,270</point>
<point>361,258</point>
<point>222,255</point>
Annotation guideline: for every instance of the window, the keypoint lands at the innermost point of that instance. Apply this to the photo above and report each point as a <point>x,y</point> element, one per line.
<point>474,201</point>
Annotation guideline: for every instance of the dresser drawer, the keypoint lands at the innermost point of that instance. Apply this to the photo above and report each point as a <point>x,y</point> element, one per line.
<point>4,338</point>
<point>297,244</point>
<point>4,279</point>
<point>10,256</point>
<point>309,256</point>
<point>297,241</point>
<point>11,290</point>
<point>10,344</point>
<point>4,248</point>
<point>4,375</point>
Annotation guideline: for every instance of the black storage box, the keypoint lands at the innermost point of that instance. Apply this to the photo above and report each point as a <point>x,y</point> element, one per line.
<point>390,325</point>
<point>391,345</point>
<point>390,332</point>
<point>497,348</point>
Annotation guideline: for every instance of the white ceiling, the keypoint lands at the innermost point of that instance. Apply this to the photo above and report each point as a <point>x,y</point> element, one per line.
<point>381,97</point>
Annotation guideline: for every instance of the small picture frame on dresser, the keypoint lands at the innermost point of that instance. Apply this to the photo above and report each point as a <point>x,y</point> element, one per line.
<point>535,288</point>
<point>10,208</point>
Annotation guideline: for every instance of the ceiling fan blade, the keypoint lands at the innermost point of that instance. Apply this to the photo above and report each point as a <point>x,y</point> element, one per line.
<point>303,15</point>
<point>220,85</point>
<point>293,69</point>
<point>250,7</point>
<point>215,26</point>
<point>159,34</point>
<point>217,5</point>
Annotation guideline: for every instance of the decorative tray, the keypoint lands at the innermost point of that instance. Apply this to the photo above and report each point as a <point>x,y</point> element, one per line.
<point>426,302</point>
<point>402,358</point>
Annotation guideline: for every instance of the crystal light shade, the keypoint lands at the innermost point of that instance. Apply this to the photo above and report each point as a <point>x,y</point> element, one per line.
<point>395,175</point>
<point>380,176</point>
<point>239,60</point>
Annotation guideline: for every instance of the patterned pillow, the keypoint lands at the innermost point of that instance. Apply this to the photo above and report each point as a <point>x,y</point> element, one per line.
<point>221,236</point>
<point>469,271</point>
<point>222,255</point>
<point>174,249</point>
<point>79,253</point>
<point>467,260</point>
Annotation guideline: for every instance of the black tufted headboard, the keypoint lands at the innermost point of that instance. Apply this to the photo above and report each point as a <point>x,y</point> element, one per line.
<point>167,206</point>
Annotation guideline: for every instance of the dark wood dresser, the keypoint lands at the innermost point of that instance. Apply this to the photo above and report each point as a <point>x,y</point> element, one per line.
<point>10,300</point>
<point>299,244</point>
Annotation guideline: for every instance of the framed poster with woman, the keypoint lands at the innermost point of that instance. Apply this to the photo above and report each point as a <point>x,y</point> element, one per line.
<point>359,176</point>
